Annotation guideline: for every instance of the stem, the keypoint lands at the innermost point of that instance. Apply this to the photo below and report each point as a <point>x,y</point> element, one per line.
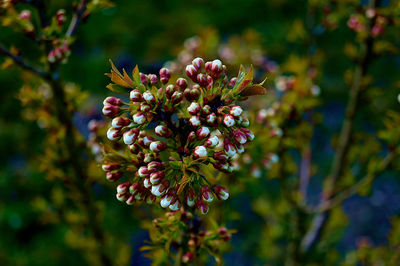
<point>77,18</point>
<point>319,222</point>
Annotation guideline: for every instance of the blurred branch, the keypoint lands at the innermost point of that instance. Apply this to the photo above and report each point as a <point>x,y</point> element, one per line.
<point>22,63</point>
<point>319,222</point>
<point>77,18</point>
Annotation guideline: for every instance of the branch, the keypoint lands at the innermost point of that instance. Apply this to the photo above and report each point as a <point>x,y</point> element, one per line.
<point>22,63</point>
<point>77,18</point>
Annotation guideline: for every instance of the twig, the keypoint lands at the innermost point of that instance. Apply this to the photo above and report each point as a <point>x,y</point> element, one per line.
<point>77,18</point>
<point>22,63</point>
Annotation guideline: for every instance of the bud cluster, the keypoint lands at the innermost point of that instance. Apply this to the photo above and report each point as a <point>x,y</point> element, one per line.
<point>173,128</point>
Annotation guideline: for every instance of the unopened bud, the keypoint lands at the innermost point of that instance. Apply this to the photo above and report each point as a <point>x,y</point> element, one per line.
<point>131,136</point>
<point>198,63</point>
<point>229,121</point>
<point>157,146</point>
<point>200,152</point>
<point>181,83</point>
<point>191,72</point>
<point>135,96</point>
<point>202,132</point>
<point>139,118</point>
<point>119,122</point>
<point>222,193</point>
<point>153,78</point>
<point>113,176</point>
<point>113,134</point>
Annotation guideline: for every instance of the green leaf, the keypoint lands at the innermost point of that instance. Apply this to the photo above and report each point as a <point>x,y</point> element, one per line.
<point>116,88</point>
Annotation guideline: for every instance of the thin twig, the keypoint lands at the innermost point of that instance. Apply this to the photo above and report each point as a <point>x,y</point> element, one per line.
<point>77,18</point>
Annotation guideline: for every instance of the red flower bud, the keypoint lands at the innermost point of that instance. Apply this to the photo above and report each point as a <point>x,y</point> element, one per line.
<point>200,152</point>
<point>163,131</point>
<point>135,188</point>
<point>165,74</point>
<point>220,156</point>
<point>190,197</point>
<point>181,83</point>
<point>232,82</point>
<point>153,79</point>
<point>131,136</point>
<point>154,166</point>
<point>149,97</point>
<point>160,189</point>
<point>113,134</point>
<point>191,72</point>
<point>112,101</point>
<point>144,79</point>
<point>229,148</point>
<point>111,110</point>
<point>202,206</point>
<point>202,132</point>
<point>198,63</point>
<point>157,177</point>
<point>113,176</point>
<point>206,194</point>
<point>134,148</point>
<point>169,90</point>
<point>135,96</point>
<point>239,136</point>
<point>109,167</point>
<point>202,80</point>
<point>120,122</point>
<point>123,188</point>
<point>143,172</point>
<point>211,118</point>
<point>139,118</point>
<point>145,107</point>
<point>176,97</point>
<point>193,108</point>
<point>157,146</point>
<point>222,193</point>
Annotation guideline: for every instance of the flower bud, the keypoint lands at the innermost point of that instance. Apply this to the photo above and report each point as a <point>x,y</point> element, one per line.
<point>149,97</point>
<point>60,16</point>
<point>236,111</point>
<point>153,79</point>
<point>112,101</point>
<point>160,189</point>
<point>113,176</point>
<point>239,136</point>
<point>167,199</point>
<point>188,257</point>
<point>222,167</point>
<point>150,199</point>
<point>211,118</point>
<point>154,166</point>
<point>113,134</point>
<point>206,109</point>
<point>111,110</point>
<point>135,188</point>
<point>248,133</point>
<point>120,122</point>
<point>175,205</point>
<point>200,152</point>
<point>123,188</point>
<point>165,74</point>
<point>147,183</point>
<point>191,72</point>
<point>193,108</point>
<point>202,206</point>
<point>144,79</point>
<point>206,194</point>
<point>169,90</point>
<point>181,83</point>
<point>222,193</point>
<point>190,197</point>
<point>109,167</point>
<point>155,178</point>
<point>139,118</point>
<point>229,148</point>
<point>198,63</point>
<point>147,140</point>
<point>145,107</point>
<point>143,172</point>
<point>229,121</point>
<point>216,68</point>
<point>212,141</point>
<point>148,157</point>
<point>134,148</point>
<point>220,156</point>
<point>232,82</point>
<point>245,122</point>
<point>122,197</point>
<point>240,148</point>
<point>194,121</point>
<point>25,15</point>
<point>202,132</point>
<point>195,92</point>
<point>191,137</point>
<point>162,131</point>
<point>135,96</point>
<point>131,136</point>
<point>176,97</point>
<point>202,80</point>
<point>157,146</point>
<point>130,200</point>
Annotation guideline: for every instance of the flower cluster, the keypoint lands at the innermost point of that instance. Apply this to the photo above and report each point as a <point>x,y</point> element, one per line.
<point>357,23</point>
<point>175,128</point>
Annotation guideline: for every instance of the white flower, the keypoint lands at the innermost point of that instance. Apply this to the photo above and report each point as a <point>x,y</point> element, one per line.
<point>229,120</point>
<point>193,108</point>
<point>200,151</point>
<point>236,111</point>
<point>195,121</point>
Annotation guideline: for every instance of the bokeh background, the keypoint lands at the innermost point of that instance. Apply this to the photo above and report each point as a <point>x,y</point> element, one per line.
<point>149,34</point>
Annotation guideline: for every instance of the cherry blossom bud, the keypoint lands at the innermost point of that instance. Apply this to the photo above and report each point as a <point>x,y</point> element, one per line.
<point>200,152</point>
<point>220,156</point>
<point>193,108</point>
<point>145,107</point>
<point>191,72</point>
<point>176,97</point>
<point>239,136</point>
<point>113,176</point>
<point>236,111</point>
<point>130,200</point>
<point>131,136</point>
<point>198,63</point>
<point>113,134</point>
<point>109,167</point>
<point>165,74</point>
<point>206,194</point>
<point>154,166</point>
<point>157,146</point>
<point>229,121</point>
<point>202,80</point>
<point>123,188</point>
<point>148,157</point>
<point>175,205</point>
<point>222,193</point>
<point>149,97</point>
<point>169,90</point>
<point>222,167</point>
<point>191,197</point>
<point>147,140</point>
<point>155,178</point>
<point>212,141</point>
<point>160,189</point>
<point>143,172</point>
<point>207,67</point>
<point>195,92</point>
<point>245,122</point>
<point>191,137</point>
<point>240,148</point>
<point>150,199</point>
<point>195,121</point>
<point>153,79</point>
<point>144,79</point>
<point>134,148</point>
<point>146,183</point>
<point>229,148</point>
<point>211,118</point>
<point>60,16</point>
<point>187,95</point>
<point>163,131</point>
<point>206,110</point>
<point>188,257</point>
<point>216,68</point>
<point>122,197</point>
<point>202,206</point>
<point>139,118</point>
<point>25,15</point>
<point>111,110</point>
<point>112,101</point>
<point>249,134</point>
<point>232,82</point>
<point>202,132</point>
<point>181,83</point>
<point>135,188</point>
<point>135,96</point>
<point>119,122</point>
<point>167,199</point>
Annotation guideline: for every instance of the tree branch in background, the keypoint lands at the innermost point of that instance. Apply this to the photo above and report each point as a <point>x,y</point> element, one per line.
<point>77,18</point>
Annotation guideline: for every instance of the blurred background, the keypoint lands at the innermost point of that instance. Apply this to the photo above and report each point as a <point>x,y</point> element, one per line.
<point>150,34</point>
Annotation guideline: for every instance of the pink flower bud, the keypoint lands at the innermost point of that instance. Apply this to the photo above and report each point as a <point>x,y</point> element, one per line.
<point>145,107</point>
<point>157,177</point>
<point>60,16</point>
<point>109,167</point>
<point>147,183</point>
<point>229,121</point>
<point>191,137</point>
<point>135,188</point>
<point>176,97</point>
<point>130,200</point>
<point>134,148</point>
<point>249,134</point>
<point>193,108</point>
<point>222,193</point>
<point>139,118</point>
<point>206,194</point>
<point>111,110</point>
<point>377,30</point>
<point>202,132</point>
<point>195,92</point>
<point>212,141</point>
<point>236,111</point>
<point>194,121</point>
<point>191,72</point>
<point>239,136</point>
<point>120,122</point>
<point>162,131</point>
<point>147,140</point>
<point>154,166</point>
<point>202,80</point>
<point>190,197</point>
<point>123,188</point>
<point>135,96</point>
<point>160,189</point>
<point>220,156</point>
<point>210,82</point>
<point>149,97</point>
<point>200,152</point>
<point>207,66</point>
<point>240,148</point>
<point>175,205</point>
<point>113,176</point>
<point>131,136</point>
<point>211,118</point>
<point>169,90</point>
<point>222,167</point>
<point>167,199</point>
<point>148,157</point>
<point>229,148</point>
<point>181,83</point>
<point>198,63</point>
<point>165,75</point>
<point>144,79</point>
<point>188,257</point>
<point>153,79</point>
<point>113,134</point>
<point>157,146</point>
<point>202,206</point>
<point>25,15</point>
<point>143,172</point>
<point>216,68</point>
<point>112,101</point>
<point>232,82</point>
<point>122,197</point>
